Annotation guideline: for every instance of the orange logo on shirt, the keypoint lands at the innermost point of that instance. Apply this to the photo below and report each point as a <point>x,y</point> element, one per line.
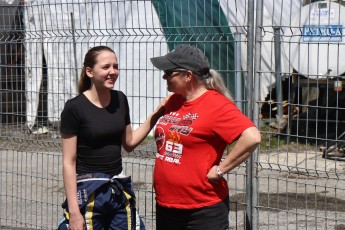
<point>174,137</point>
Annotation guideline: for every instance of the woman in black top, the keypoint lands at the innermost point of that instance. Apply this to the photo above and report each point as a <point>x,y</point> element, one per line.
<point>94,126</point>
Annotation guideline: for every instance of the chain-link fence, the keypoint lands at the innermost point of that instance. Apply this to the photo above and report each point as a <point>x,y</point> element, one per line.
<point>282,61</point>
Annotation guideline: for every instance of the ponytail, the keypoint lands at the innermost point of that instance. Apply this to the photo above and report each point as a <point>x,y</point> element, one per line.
<point>213,80</point>
<point>84,81</point>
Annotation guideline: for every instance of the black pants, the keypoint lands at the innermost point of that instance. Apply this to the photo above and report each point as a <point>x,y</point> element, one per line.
<point>214,217</point>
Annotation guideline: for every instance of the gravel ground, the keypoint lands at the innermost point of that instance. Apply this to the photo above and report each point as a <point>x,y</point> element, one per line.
<point>295,190</point>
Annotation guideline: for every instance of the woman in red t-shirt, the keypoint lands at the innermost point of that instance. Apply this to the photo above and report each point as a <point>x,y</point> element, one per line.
<point>200,121</point>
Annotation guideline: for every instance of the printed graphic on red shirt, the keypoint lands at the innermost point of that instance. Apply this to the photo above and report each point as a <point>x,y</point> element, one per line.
<point>173,149</point>
<point>160,138</point>
<point>172,141</point>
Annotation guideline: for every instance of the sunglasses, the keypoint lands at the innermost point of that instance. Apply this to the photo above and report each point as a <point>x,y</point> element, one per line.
<point>171,72</point>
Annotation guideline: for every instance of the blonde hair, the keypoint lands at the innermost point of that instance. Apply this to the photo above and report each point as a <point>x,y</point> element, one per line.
<point>213,80</point>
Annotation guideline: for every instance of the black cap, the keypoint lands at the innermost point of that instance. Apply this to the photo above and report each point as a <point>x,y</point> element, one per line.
<point>183,56</point>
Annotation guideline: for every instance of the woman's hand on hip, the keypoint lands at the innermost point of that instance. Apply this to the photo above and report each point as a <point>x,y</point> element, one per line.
<point>213,176</point>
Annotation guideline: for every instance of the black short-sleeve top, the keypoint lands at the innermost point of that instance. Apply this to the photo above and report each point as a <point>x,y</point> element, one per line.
<point>99,132</point>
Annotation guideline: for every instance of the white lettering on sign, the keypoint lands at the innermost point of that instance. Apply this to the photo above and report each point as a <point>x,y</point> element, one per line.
<point>322,33</point>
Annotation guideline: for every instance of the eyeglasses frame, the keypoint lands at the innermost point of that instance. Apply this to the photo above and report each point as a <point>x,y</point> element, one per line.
<point>171,72</point>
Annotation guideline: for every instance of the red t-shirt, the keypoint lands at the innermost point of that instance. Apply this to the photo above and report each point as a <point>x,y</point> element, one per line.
<point>191,137</point>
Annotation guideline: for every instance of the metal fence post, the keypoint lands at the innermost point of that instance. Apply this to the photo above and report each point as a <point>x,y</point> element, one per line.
<point>238,74</point>
<point>256,111</point>
<point>252,220</point>
<point>278,73</point>
<point>250,65</point>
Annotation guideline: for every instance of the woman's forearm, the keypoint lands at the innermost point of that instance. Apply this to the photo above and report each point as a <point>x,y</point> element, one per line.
<point>243,148</point>
<point>133,138</point>
<point>69,162</point>
<point>70,185</point>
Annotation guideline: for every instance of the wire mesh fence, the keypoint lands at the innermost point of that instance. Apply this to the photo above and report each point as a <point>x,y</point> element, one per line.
<point>282,61</point>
